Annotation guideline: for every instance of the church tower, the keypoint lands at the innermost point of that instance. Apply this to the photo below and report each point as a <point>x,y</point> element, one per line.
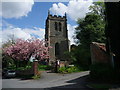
<point>57,36</point>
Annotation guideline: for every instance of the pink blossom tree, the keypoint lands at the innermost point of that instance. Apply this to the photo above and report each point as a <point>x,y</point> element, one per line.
<point>22,50</point>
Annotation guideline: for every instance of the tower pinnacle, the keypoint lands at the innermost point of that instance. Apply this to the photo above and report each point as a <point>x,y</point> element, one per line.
<point>65,14</point>
<point>48,12</point>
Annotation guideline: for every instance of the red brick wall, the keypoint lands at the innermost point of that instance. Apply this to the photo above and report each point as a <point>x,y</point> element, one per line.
<point>35,67</point>
<point>98,55</point>
<point>25,72</point>
<point>32,71</point>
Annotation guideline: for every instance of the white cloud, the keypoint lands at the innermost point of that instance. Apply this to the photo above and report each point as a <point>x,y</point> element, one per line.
<point>24,33</point>
<point>35,31</point>
<point>16,9</point>
<point>75,8</point>
<point>71,33</point>
<point>16,32</point>
<point>58,9</point>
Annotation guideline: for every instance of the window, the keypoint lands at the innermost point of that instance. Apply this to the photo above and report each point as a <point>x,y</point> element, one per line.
<point>57,49</point>
<point>60,26</point>
<point>55,25</point>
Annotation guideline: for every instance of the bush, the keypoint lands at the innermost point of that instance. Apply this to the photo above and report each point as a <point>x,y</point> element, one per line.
<point>36,77</point>
<point>44,67</point>
<point>19,68</point>
<point>24,68</point>
<point>62,70</point>
<point>72,69</point>
<point>103,72</point>
<point>68,69</point>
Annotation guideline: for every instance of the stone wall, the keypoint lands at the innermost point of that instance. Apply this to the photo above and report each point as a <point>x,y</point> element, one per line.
<point>98,53</point>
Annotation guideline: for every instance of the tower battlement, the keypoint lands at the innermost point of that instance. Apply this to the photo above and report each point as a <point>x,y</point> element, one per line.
<point>50,16</point>
<point>56,17</point>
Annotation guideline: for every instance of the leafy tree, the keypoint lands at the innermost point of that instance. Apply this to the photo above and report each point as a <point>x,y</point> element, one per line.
<point>22,50</point>
<point>7,60</point>
<point>90,29</point>
<point>98,8</point>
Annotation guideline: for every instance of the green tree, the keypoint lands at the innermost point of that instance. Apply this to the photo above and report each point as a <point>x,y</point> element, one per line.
<point>7,61</point>
<point>98,8</point>
<point>90,29</point>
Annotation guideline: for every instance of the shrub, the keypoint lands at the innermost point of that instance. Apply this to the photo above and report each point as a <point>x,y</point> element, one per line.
<point>103,72</point>
<point>72,69</point>
<point>36,77</point>
<point>24,68</point>
<point>68,69</point>
<point>19,68</point>
<point>44,67</point>
<point>62,70</point>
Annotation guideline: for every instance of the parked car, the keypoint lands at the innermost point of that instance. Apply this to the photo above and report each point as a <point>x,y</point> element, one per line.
<point>9,73</point>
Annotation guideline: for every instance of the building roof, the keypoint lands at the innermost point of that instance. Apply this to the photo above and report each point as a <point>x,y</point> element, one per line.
<point>100,45</point>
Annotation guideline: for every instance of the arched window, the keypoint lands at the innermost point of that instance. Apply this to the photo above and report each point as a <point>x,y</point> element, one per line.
<point>55,25</point>
<point>60,26</point>
<point>57,49</point>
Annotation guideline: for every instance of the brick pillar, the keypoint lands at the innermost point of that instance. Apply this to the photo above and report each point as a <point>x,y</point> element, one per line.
<point>35,67</point>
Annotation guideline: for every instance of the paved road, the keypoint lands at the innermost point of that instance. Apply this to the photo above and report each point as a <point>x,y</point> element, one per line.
<point>50,80</point>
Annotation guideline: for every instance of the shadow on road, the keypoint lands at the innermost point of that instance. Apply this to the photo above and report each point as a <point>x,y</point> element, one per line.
<point>78,83</point>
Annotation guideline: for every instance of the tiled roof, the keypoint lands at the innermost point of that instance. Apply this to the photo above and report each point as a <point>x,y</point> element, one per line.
<point>100,45</point>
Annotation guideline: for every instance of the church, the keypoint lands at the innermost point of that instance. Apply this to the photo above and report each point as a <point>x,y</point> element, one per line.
<point>56,35</point>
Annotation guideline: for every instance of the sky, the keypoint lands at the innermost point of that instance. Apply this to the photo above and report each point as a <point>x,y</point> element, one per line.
<point>27,19</point>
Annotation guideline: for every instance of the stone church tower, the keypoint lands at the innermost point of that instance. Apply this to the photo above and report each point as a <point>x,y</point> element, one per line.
<point>57,36</point>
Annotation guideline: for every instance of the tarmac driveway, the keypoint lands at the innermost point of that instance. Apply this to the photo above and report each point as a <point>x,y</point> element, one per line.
<point>50,80</point>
